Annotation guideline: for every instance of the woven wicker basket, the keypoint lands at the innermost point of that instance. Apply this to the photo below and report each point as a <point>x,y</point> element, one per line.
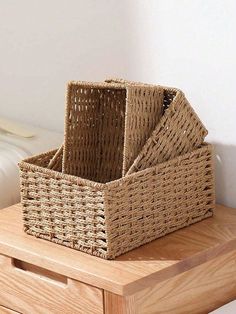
<point>178,131</point>
<point>169,128</point>
<point>110,219</point>
<point>106,125</point>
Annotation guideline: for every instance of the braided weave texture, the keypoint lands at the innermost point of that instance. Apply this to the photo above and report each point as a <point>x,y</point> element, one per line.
<point>106,125</point>
<point>178,131</point>
<point>109,219</point>
<point>117,128</point>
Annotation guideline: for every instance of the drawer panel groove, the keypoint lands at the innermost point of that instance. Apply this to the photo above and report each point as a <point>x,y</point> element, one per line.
<point>29,289</point>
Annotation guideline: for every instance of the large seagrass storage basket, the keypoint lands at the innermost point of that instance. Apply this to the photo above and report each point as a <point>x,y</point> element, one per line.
<point>106,125</point>
<point>109,219</point>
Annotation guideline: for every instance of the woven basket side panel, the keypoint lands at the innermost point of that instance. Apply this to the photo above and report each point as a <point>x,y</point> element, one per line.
<point>157,201</point>
<point>143,112</point>
<point>63,212</point>
<point>56,162</point>
<point>179,131</point>
<point>94,135</point>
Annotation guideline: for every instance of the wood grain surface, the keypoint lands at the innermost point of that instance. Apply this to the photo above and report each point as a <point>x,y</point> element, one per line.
<point>197,291</point>
<point>142,268</point>
<point>5,310</point>
<point>30,290</point>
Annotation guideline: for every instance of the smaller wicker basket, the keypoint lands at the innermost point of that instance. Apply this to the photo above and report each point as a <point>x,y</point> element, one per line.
<point>160,124</point>
<point>109,219</point>
<point>178,131</point>
<point>106,125</point>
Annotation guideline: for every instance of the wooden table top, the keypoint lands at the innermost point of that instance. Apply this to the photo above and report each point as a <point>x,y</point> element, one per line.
<point>133,271</point>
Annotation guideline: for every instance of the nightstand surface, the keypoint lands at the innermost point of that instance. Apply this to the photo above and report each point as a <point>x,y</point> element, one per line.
<point>141,268</point>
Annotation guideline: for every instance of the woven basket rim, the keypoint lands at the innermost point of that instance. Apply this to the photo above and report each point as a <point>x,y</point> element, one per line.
<point>28,163</point>
<point>203,147</point>
<point>96,84</point>
<point>120,82</point>
<point>120,85</point>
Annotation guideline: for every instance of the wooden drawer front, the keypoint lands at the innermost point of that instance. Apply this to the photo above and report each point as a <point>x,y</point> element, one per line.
<point>29,289</point>
<point>5,310</point>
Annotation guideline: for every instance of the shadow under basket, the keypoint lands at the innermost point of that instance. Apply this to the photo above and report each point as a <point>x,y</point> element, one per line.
<point>109,219</point>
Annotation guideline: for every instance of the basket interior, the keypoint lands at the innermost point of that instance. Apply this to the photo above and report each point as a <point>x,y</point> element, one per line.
<point>95,129</point>
<point>169,95</point>
<point>95,124</point>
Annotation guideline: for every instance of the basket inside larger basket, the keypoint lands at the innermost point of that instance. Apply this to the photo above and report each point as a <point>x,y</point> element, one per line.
<point>178,131</point>
<point>175,130</point>
<point>106,125</point>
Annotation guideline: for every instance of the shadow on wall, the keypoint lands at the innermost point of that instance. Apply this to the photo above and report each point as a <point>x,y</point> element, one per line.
<point>225,164</point>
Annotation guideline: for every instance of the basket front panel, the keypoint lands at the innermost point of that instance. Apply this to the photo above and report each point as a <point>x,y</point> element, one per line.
<point>94,134</point>
<point>143,112</point>
<point>157,201</point>
<point>63,212</point>
<point>179,131</point>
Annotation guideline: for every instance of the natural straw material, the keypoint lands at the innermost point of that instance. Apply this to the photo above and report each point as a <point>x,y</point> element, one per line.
<point>56,162</point>
<point>106,125</point>
<point>158,127</point>
<point>109,219</point>
<point>178,131</point>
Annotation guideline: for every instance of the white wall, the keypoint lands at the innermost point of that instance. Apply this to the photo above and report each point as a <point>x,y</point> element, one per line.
<point>187,44</point>
<point>45,43</point>
<point>192,45</point>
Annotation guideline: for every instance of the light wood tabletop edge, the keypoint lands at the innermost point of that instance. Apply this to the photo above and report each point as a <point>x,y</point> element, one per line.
<point>183,266</point>
<point>112,286</point>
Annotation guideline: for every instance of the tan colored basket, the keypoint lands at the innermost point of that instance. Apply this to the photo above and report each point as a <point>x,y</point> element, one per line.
<point>106,126</point>
<point>109,219</point>
<point>178,131</point>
